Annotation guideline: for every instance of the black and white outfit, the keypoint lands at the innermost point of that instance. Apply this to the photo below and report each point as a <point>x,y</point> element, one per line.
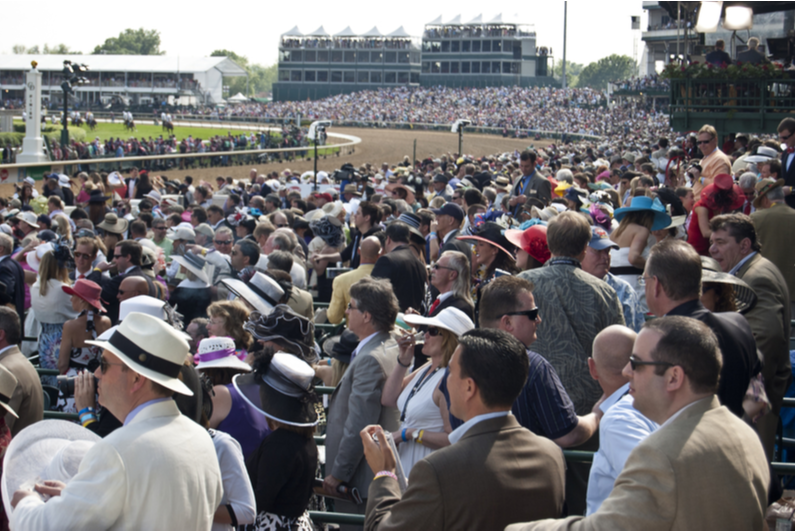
<point>191,298</point>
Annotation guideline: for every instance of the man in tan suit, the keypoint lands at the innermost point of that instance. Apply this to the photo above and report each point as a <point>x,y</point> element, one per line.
<point>341,286</point>
<point>704,468</point>
<point>28,397</point>
<point>714,162</point>
<point>493,473</point>
<point>733,243</point>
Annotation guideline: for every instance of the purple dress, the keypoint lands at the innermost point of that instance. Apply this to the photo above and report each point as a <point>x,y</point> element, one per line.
<point>247,425</point>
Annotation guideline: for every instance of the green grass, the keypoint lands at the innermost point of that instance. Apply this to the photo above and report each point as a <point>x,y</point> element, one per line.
<point>117,130</point>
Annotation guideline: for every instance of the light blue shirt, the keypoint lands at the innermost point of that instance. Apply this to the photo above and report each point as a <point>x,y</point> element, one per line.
<point>131,414</point>
<point>630,301</point>
<point>460,431</point>
<point>733,270</point>
<point>621,429</point>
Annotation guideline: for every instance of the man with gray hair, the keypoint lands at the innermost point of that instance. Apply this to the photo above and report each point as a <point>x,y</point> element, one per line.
<point>281,240</point>
<point>752,55</point>
<point>747,182</point>
<point>12,275</point>
<point>451,276</point>
<point>356,402</point>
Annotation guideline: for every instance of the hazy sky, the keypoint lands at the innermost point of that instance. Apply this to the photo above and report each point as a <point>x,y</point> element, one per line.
<point>249,28</point>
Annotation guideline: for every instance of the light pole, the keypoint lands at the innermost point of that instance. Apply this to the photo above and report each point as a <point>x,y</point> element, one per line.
<point>70,78</point>
<point>458,127</point>
<point>315,130</point>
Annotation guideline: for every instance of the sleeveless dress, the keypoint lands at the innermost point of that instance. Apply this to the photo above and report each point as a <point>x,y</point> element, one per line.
<point>420,413</point>
<point>247,425</point>
<point>620,267</point>
<point>81,358</point>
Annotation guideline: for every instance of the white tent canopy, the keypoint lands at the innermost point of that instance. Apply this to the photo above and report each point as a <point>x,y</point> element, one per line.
<point>400,32</point>
<point>295,32</point>
<point>347,32</point>
<point>373,33</point>
<point>320,32</point>
<point>456,21</point>
<point>477,20</point>
<point>436,22</point>
<point>237,98</point>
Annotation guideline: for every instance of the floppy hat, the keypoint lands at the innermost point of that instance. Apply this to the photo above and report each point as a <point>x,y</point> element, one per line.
<point>451,319</point>
<point>34,258</point>
<point>261,291</point>
<point>410,194</point>
<point>88,291</point>
<point>193,263</point>
<point>113,224</point>
<point>284,324</point>
<point>351,189</point>
<point>600,240</point>
<point>150,347</point>
<point>450,209</point>
<point>333,208</point>
<point>763,187</point>
<point>413,221</point>
<point>283,392</point>
<point>643,203</point>
<point>155,196</point>
<point>29,218</point>
<point>48,449</point>
<point>218,352</point>
<point>744,296</point>
<point>341,347</point>
<point>492,233</point>
<point>115,178</point>
<point>532,240</point>
<point>64,181</point>
<point>544,214</point>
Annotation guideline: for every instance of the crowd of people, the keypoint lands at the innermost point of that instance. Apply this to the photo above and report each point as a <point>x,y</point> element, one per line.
<point>629,297</point>
<point>639,84</point>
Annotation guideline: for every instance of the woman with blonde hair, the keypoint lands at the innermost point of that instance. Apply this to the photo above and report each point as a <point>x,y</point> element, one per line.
<point>63,229</point>
<point>51,305</point>
<point>226,320</point>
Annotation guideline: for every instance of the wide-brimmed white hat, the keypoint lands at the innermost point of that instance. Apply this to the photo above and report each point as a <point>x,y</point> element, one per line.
<point>155,196</point>
<point>29,218</point>
<point>151,347</point>
<point>218,352</point>
<point>262,292</point>
<point>451,319</point>
<point>48,449</point>
<point>194,263</point>
<point>115,179</point>
<point>34,258</point>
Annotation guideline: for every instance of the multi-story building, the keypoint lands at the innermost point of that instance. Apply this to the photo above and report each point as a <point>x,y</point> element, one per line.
<point>136,79</point>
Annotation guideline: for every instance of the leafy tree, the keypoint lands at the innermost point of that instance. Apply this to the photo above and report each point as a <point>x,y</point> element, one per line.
<point>260,78</point>
<point>60,49</point>
<point>573,71</point>
<point>18,49</point>
<point>611,68</point>
<point>132,42</point>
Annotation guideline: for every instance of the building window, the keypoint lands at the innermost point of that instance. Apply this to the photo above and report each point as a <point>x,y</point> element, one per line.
<point>454,67</point>
<point>364,57</point>
<point>486,67</point>
<point>415,77</point>
<point>426,67</point>
<point>350,57</point>
<point>445,46</point>
<point>336,76</point>
<point>336,56</point>
<point>403,57</point>
<point>495,67</point>
<point>475,67</point>
<point>415,57</point>
<point>295,75</point>
<point>515,68</point>
<point>375,77</point>
<point>475,46</point>
<point>436,67</point>
<point>296,56</point>
<point>322,56</point>
<point>403,78</point>
<point>390,78</point>
<point>507,46</point>
<point>349,76</point>
<point>390,57</point>
<point>322,76</point>
<point>465,46</point>
<point>284,56</point>
<point>436,47</point>
<point>284,75</point>
<point>445,67</point>
<point>455,46</point>
<point>426,46</point>
<point>377,57</point>
<point>464,67</point>
<point>310,57</point>
<point>496,46</point>
<point>506,67</point>
<point>485,46</point>
<point>309,76</point>
<point>363,76</point>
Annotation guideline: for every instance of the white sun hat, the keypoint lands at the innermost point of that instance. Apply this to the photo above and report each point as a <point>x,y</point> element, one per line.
<point>48,449</point>
<point>34,258</point>
<point>218,352</point>
<point>451,319</point>
<point>261,292</point>
<point>151,347</point>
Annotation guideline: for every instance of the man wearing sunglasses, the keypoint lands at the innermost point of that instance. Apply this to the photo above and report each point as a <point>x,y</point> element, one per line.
<point>85,254</point>
<point>713,162</point>
<point>704,467</point>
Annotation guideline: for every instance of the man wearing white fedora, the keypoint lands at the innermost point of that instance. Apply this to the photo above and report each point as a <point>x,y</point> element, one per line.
<point>158,471</point>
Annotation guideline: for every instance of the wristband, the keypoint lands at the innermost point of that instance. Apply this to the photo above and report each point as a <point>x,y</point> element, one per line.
<point>86,410</point>
<point>385,474</point>
<point>419,439</point>
<point>434,236</point>
<point>401,363</point>
<point>403,435</point>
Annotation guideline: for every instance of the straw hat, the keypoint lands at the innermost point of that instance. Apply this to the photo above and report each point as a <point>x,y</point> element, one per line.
<point>48,449</point>
<point>150,347</point>
<point>113,224</point>
<point>763,187</point>
<point>29,218</point>
<point>218,352</point>
<point>451,319</point>
<point>744,296</point>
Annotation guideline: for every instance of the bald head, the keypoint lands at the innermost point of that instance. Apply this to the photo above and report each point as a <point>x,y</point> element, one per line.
<point>612,348</point>
<point>132,287</point>
<point>371,246</point>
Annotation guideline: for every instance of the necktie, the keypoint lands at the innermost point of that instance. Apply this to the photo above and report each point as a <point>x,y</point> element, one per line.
<point>791,150</point>
<point>747,209</point>
<point>434,306</point>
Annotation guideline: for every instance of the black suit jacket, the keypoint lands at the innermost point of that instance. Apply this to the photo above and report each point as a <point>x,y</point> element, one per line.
<point>789,176</point>
<point>407,274</point>
<point>110,292</point>
<point>737,344</point>
<point>454,244</point>
<point>753,57</point>
<point>13,276</point>
<point>456,302</point>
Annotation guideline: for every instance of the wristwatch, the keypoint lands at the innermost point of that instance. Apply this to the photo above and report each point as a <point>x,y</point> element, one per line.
<point>415,435</point>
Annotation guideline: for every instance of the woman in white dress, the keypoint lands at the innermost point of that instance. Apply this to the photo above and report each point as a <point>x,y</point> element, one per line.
<point>424,427</point>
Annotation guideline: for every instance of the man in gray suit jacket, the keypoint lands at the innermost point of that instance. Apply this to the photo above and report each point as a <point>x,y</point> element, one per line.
<point>493,473</point>
<point>28,397</point>
<point>356,401</point>
<point>704,468</point>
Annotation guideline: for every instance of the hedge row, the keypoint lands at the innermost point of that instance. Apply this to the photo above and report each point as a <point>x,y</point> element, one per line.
<point>15,139</point>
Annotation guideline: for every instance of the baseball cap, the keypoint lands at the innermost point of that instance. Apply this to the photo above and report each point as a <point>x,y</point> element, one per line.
<point>450,209</point>
<point>600,240</point>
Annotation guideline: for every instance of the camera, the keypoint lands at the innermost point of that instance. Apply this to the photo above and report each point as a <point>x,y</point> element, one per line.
<point>66,384</point>
<point>346,173</point>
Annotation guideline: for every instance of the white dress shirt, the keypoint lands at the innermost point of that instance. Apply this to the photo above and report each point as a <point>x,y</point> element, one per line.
<point>460,431</point>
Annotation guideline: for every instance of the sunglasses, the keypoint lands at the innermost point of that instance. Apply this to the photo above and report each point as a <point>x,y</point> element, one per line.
<point>83,255</point>
<point>635,363</point>
<point>437,266</point>
<point>782,137</point>
<point>104,365</point>
<point>531,314</point>
<point>702,142</point>
<point>353,308</point>
<point>227,242</point>
<point>432,331</point>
